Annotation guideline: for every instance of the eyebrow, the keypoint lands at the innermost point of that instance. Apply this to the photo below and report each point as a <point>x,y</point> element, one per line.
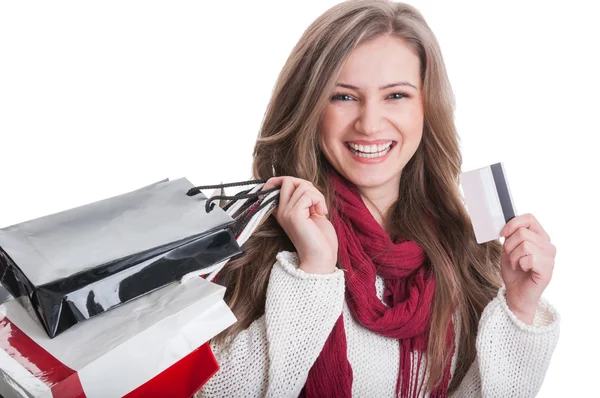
<point>351,87</point>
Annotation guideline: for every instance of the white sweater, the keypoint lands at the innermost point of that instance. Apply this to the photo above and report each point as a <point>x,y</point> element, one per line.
<point>273,356</point>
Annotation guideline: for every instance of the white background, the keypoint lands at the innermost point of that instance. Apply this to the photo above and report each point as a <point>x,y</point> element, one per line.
<point>99,98</point>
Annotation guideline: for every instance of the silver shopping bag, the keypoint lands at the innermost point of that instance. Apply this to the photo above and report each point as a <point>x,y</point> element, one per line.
<point>73,265</point>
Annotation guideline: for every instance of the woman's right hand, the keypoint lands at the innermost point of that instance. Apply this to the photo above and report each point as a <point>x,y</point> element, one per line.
<point>302,213</point>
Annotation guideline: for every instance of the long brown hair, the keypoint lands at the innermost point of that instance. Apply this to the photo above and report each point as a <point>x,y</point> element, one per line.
<point>429,210</point>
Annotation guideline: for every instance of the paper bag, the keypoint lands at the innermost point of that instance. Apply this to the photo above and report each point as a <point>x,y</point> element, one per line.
<point>133,350</point>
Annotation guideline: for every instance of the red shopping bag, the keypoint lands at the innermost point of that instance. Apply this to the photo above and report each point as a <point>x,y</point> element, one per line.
<point>183,379</point>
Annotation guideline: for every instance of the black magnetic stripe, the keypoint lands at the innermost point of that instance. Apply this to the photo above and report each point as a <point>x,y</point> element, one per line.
<point>502,189</point>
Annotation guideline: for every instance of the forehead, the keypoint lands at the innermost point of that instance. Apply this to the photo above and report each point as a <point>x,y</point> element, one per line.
<point>381,61</point>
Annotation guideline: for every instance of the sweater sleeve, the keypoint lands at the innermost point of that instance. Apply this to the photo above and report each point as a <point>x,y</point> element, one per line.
<point>512,357</point>
<point>273,355</point>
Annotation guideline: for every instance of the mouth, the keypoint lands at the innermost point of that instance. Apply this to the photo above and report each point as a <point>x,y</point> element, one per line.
<point>371,151</point>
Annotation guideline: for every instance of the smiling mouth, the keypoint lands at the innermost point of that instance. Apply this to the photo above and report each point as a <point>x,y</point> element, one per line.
<point>370,151</point>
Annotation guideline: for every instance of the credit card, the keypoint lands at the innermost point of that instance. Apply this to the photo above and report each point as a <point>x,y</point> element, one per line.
<point>488,200</point>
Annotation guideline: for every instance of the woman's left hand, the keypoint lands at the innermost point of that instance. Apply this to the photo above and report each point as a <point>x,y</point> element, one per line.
<point>526,264</point>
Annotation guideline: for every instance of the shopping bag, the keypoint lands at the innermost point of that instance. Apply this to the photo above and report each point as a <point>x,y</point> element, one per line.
<point>154,346</point>
<point>76,264</point>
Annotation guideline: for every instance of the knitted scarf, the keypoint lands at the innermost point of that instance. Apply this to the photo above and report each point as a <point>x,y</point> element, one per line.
<point>365,250</point>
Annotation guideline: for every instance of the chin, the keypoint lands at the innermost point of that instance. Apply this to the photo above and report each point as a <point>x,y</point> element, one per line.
<point>371,178</point>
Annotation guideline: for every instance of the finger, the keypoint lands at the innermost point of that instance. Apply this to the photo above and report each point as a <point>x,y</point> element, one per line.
<point>311,201</point>
<point>321,207</point>
<point>519,236</point>
<point>285,193</point>
<point>304,189</point>
<point>278,181</point>
<point>524,221</point>
<point>525,249</point>
<point>527,263</point>
<point>551,249</point>
<point>288,186</point>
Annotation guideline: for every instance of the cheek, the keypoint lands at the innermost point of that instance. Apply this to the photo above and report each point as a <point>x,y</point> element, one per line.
<point>325,131</point>
<point>410,122</point>
<point>334,122</point>
<point>331,131</point>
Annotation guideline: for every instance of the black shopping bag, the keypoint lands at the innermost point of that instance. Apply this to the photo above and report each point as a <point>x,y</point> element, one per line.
<point>81,262</point>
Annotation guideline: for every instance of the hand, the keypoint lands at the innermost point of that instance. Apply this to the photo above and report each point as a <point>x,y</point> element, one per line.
<point>526,264</point>
<point>302,214</point>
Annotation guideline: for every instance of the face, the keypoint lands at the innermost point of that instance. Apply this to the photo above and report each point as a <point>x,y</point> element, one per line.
<point>373,122</point>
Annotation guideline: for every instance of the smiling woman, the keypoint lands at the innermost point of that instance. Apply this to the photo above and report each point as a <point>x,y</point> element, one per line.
<point>368,280</point>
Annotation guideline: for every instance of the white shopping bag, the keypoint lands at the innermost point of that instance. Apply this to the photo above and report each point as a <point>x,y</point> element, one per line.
<point>114,353</point>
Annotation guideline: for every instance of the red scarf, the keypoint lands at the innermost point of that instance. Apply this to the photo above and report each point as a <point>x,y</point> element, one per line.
<point>365,250</point>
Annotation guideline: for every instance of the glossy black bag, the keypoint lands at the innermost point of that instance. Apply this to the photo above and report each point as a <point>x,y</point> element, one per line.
<point>73,265</point>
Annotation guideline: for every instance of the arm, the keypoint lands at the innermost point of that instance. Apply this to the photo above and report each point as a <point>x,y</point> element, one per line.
<point>512,357</point>
<point>273,355</point>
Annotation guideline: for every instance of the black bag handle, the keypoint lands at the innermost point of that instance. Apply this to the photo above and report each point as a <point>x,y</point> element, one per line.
<point>241,195</point>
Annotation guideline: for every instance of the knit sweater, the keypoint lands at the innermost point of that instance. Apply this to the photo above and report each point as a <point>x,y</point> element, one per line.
<point>273,356</point>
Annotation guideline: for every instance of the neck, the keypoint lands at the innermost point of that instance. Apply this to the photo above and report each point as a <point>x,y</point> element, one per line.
<point>379,200</point>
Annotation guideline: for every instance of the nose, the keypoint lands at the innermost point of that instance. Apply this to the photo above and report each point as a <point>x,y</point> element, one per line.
<point>370,121</point>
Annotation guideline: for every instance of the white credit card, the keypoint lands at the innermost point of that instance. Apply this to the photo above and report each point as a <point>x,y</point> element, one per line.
<point>488,200</point>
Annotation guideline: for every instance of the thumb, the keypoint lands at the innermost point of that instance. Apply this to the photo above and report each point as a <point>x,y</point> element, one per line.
<point>272,182</point>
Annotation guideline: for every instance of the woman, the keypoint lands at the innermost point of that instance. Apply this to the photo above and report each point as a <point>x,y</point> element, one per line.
<point>368,281</point>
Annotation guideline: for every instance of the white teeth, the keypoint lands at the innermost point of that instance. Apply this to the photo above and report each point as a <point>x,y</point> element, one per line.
<point>375,148</point>
<point>370,151</point>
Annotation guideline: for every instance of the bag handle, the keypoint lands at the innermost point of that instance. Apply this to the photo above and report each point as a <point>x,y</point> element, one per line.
<point>246,221</point>
<point>237,201</point>
<point>241,195</point>
<point>251,222</point>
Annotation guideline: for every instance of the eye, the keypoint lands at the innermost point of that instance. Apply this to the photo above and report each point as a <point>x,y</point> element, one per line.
<point>399,96</point>
<point>342,97</point>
